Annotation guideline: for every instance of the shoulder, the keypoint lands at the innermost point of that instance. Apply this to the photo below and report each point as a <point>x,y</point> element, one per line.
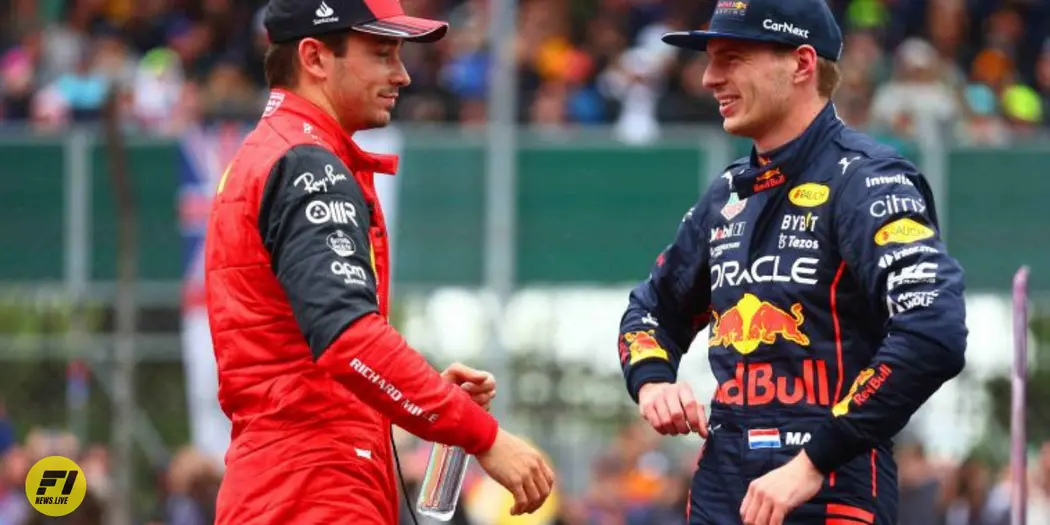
<point>864,163</point>
<point>312,169</point>
<point>309,155</point>
<point>876,180</point>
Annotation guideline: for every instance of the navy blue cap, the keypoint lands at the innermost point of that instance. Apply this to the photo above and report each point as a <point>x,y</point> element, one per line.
<point>790,22</point>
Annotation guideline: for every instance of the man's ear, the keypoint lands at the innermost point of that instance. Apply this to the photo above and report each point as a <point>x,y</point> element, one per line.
<point>314,58</point>
<point>805,64</point>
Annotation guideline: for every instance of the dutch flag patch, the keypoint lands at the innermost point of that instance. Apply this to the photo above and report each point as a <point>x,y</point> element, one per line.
<point>763,438</point>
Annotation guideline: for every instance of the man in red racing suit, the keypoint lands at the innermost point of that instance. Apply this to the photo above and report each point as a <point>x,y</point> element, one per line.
<point>310,372</point>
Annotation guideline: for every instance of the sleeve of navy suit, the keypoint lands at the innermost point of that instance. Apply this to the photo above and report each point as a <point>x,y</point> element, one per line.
<point>667,310</point>
<point>314,222</point>
<point>886,224</point>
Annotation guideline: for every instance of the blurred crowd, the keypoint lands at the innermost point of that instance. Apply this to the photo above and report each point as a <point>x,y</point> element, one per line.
<point>973,71</point>
<point>633,481</point>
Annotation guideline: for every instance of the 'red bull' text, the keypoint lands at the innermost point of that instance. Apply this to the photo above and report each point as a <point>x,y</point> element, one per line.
<point>763,386</point>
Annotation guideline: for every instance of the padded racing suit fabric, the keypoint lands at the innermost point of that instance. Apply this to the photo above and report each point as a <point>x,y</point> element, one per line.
<point>310,373</point>
<point>834,312</point>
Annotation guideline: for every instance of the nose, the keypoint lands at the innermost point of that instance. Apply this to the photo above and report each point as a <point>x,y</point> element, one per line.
<point>401,78</point>
<point>713,76</point>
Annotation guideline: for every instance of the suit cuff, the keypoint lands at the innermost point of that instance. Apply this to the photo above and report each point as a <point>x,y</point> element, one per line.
<point>484,429</point>
<point>832,446</point>
<point>652,371</point>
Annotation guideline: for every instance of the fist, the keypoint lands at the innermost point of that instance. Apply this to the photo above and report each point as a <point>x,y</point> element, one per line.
<point>672,409</point>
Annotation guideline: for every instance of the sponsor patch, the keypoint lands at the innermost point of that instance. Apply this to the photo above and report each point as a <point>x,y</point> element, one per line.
<point>785,27</point>
<point>896,205</point>
<point>879,180</point>
<point>902,231</point>
<point>733,206</point>
<point>809,195</point>
<point>886,260</point>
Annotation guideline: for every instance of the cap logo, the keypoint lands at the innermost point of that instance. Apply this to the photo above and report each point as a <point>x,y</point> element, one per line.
<point>731,7</point>
<point>785,27</point>
<point>324,14</point>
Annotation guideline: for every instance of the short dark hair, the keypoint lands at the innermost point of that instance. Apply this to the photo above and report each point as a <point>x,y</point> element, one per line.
<point>828,77</point>
<point>282,60</point>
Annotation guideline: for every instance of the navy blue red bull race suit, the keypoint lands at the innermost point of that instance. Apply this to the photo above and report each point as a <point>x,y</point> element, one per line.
<point>834,311</point>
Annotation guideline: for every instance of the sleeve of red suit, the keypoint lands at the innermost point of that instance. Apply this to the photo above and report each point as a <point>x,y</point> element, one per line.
<point>314,221</point>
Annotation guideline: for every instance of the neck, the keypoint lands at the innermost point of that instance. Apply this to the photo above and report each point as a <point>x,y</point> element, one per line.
<point>316,95</point>
<point>791,126</point>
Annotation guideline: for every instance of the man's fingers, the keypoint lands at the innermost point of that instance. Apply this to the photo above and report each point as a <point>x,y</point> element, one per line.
<point>477,377</point>
<point>520,500</point>
<point>483,396</point>
<point>543,487</point>
<point>745,506</point>
<point>692,409</point>
<point>646,411</point>
<point>542,483</point>
<point>548,474</point>
<point>764,511</point>
<point>532,492</point>
<point>663,417</point>
<point>488,384</point>
<point>459,373</point>
<point>777,517</point>
<point>674,409</point>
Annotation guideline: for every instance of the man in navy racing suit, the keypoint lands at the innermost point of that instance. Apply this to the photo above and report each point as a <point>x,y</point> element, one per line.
<point>834,309</point>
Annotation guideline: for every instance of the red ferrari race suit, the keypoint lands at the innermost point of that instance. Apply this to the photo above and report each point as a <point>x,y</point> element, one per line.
<point>310,372</point>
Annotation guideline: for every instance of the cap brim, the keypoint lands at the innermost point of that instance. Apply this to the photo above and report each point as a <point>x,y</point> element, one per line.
<point>406,28</point>
<point>697,40</point>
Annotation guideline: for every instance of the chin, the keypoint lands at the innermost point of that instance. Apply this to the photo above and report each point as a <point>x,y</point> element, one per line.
<point>380,120</point>
<point>735,126</point>
<point>741,126</point>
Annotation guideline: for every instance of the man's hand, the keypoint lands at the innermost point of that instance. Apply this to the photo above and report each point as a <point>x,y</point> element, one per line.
<point>771,497</point>
<point>672,409</point>
<point>479,384</point>
<point>521,469</point>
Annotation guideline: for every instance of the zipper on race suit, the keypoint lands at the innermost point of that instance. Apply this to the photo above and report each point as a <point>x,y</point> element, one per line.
<point>769,204</point>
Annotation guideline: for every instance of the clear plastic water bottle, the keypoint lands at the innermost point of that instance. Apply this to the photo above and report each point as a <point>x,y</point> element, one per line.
<point>443,482</point>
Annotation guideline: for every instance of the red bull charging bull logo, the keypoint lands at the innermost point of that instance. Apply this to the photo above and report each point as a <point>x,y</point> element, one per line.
<point>642,345</point>
<point>753,322</point>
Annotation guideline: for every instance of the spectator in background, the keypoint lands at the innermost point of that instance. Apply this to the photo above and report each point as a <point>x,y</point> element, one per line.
<point>193,484</point>
<point>605,502</point>
<point>863,63</point>
<point>18,76</point>
<point>14,507</point>
<point>920,486</point>
<point>917,101</point>
<point>83,90</point>
<point>946,23</point>
<point>157,87</point>
<point>982,125</point>
<point>687,101</point>
<point>968,495</point>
